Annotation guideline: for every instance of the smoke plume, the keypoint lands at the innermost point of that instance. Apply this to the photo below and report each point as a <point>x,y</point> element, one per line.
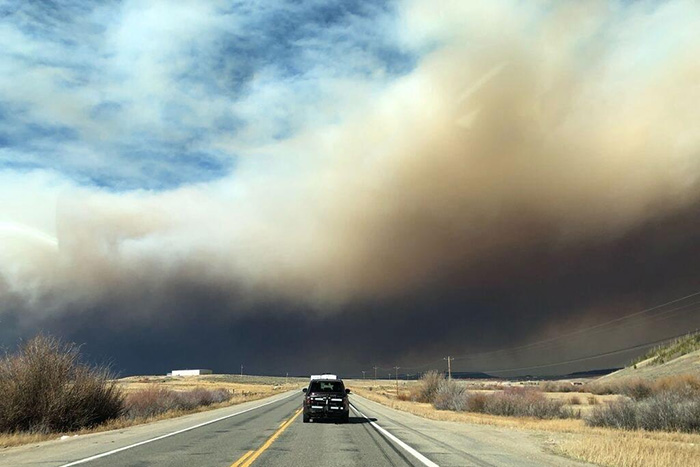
<point>526,135</point>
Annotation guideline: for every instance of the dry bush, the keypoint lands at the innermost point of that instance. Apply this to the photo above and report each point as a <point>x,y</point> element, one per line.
<point>602,389</point>
<point>684,385</point>
<point>513,402</point>
<point>635,388</point>
<point>428,386</point>
<point>150,402</point>
<point>638,389</point>
<point>404,396</point>
<point>559,386</point>
<point>592,400</point>
<point>521,402</point>
<point>45,388</point>
<point>667,411</point>
<point>155,400</point>
<point>574,400</point>
<point>478,401</point>
<point>451,396</point>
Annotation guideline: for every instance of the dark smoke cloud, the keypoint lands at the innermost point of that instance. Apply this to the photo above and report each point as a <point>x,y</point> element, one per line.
<point>547,293</point>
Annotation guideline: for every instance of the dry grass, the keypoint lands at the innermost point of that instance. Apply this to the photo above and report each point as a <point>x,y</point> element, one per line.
<point>8,440</point>
<point>211,382</point>
<point>573,438</point>
<point>633,449</point>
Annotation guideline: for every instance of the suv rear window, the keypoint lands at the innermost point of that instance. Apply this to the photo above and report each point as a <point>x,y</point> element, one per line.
<point>326,386</point>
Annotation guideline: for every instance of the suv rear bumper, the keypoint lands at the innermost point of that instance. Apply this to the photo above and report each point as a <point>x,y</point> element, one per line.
<point>326,412</point>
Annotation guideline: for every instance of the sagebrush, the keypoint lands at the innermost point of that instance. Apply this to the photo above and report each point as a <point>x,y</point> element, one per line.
<point>666,411</point>
<point>46,388</point>
<point>517,402</point>
<point>640,389</point>
<point>155,400</point>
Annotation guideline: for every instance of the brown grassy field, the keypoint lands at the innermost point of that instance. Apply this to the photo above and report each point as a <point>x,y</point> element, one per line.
<point>570,437</point>
<point>249,385</point>
<point>245,389</point>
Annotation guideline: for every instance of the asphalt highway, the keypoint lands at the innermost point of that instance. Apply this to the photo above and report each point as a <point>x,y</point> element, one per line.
<point>271,433</point>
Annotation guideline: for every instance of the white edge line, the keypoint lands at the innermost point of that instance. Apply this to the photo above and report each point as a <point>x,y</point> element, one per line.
<point>167,435</point>
<point>396,440</point>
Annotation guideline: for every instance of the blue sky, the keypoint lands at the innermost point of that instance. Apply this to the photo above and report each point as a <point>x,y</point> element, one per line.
<point>138,94</point>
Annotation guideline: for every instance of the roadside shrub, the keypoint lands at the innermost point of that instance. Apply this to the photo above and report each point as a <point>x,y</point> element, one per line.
<point>428,386</point>
<point>618,414</point>
<point>602,389</point>
<point>686,385</point>
<point>667,411</point>
<point>45,388</point>
<point>451,396</point>
<point>574,400</point>
<point>517,402</point>
<point>520,402</point>
<point>154,400</point>
<point>592,400</point>
<point>150,402</point>
<point>637,389</point>
<point>559,386</point>
<point>512,402</point>
<point>477,402</point>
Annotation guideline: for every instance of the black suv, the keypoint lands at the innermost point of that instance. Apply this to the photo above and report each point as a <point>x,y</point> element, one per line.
<point>326,398</point>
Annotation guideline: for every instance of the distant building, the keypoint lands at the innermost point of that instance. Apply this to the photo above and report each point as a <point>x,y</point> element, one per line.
<point>190,372</point>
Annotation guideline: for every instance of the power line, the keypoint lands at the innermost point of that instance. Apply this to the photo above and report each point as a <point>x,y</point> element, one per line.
<point>583,330</point>
<point>590,357</point>
<point>654,318</point>
<point>597,328</point>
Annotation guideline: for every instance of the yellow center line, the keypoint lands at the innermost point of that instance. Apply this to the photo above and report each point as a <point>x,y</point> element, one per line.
<point>242,459</point>
<point>249,457</point>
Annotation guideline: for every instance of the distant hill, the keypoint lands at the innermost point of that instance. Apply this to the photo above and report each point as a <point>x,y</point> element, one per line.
<point>590,373</point>
<point>680,356</point>
<point>471,375</point>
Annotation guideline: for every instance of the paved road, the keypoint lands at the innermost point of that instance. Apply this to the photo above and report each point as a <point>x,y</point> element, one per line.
<point>271,433</point>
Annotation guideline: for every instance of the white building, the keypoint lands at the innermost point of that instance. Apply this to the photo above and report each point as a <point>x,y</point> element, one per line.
<point>198,372</point>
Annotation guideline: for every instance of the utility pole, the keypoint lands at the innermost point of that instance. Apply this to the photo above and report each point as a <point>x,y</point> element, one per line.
<point>363,374</point>
<point>241,369</point>
<point>286,378</point>
<point>396,374</point>
<point>375,373</point>
<point>449,366</point>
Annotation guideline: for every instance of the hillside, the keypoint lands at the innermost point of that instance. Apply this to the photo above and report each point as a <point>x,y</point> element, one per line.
<point>681,356</point>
